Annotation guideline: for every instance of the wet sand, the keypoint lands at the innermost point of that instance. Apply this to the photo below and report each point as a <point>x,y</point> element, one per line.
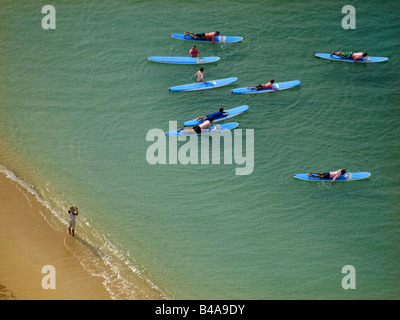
<point>28,243</point>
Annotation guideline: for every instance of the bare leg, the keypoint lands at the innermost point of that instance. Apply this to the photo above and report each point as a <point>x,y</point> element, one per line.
<point>181,130</point>
<point>316,174</point>
<point>339,53</point>
<point>190,34</point>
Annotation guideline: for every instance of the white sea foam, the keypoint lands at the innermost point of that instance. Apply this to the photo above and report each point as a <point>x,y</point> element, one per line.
<point>96,253</point>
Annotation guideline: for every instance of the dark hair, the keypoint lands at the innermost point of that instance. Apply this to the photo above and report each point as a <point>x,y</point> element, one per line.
<point>343,171</point>
<point>201,69</point>
<point>217,33</point>
<point>272,81</point>
<point>365,54</point>
<point>211,119</point>
<point>221,109</point>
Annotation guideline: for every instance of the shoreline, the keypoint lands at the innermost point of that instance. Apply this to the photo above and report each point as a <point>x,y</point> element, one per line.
<point>28,243</point>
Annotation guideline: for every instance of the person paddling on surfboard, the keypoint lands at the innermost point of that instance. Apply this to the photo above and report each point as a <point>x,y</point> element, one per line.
<point>328,175</point>
<point>350,55</point>
<point>263,86</point>
<point>216,115</point>
<point>194,51</point>
<point>202,36</point>
<point>197,128</point>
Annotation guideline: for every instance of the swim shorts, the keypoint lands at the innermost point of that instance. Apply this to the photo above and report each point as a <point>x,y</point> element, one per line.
<point>347,54</point>
<point>326,175</point>
<point>200,36</point>
<point>197,129</point>
<point>259,87</point>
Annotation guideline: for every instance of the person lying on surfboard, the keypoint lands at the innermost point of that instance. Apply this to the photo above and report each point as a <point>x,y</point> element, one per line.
<point>328,175</point>
<point>263,86</point>
<point>350,55</point>
<point>216,115</point>
<point>194,51</point>
<point>197,128</point>
<point>202,36</point>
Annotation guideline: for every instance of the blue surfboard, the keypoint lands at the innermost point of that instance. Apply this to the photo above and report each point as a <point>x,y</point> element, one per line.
<point>184,60</point>
<point>231,113</point>
<point>214,129</point>
<point>363,60</point>
<point>280,86</point>
<point>348,176</point>
<point>218,39</point>
<point>204,86</point>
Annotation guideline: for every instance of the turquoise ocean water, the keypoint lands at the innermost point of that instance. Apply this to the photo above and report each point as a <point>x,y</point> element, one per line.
<point>77,102</point>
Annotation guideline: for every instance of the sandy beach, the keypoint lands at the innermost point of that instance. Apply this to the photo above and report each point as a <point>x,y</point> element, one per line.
<point>28,243</point>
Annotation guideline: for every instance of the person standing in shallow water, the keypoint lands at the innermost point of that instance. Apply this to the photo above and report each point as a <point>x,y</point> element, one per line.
<point>73,212</point>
